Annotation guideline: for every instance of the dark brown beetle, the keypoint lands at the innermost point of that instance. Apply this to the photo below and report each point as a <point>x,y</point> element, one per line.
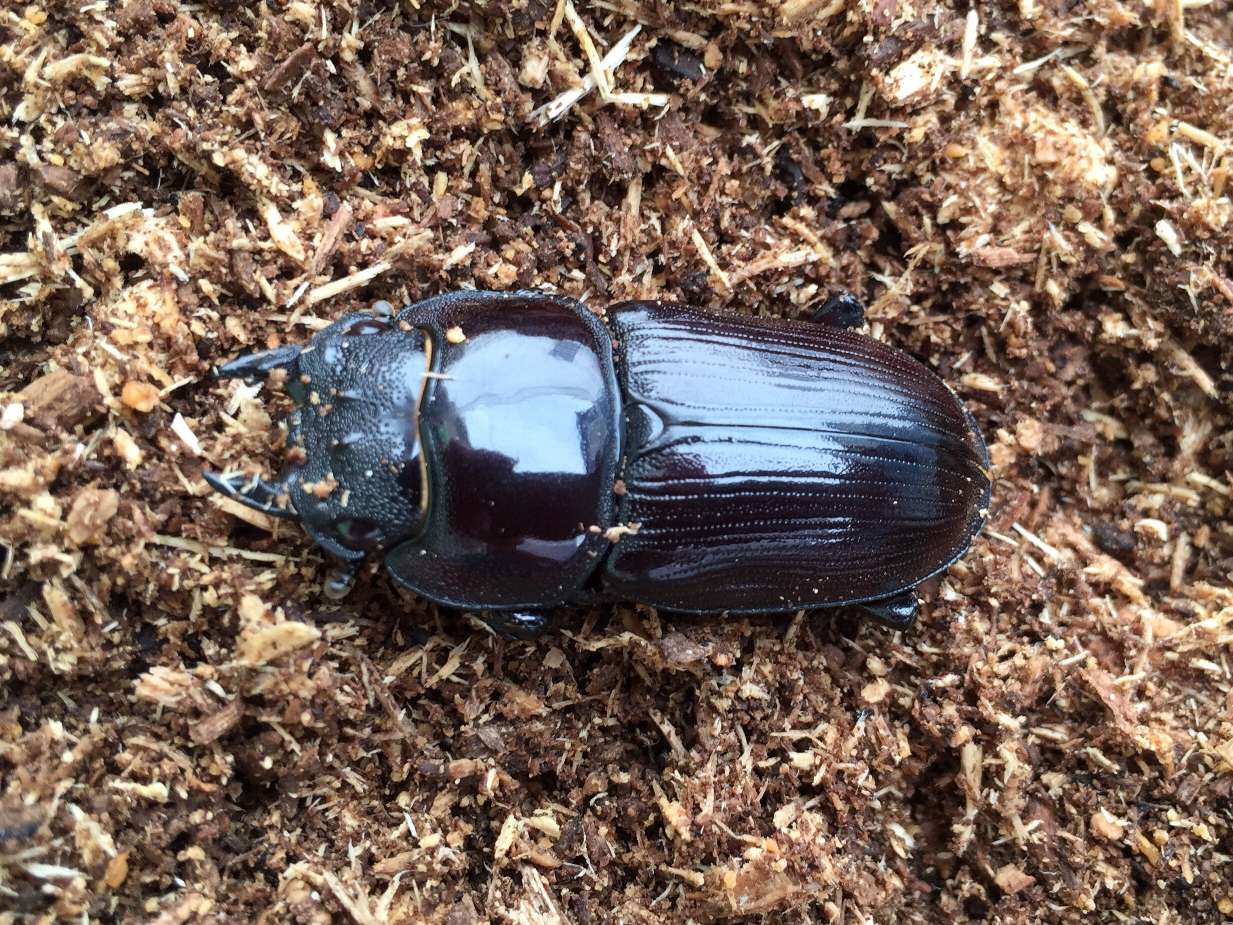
<point>511,453</point>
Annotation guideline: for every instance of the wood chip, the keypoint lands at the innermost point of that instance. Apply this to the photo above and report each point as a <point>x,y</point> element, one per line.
<point>263,645</point>
<point>140,396</point>
<point>91,513</point>
<point>60,399</point>
<point>217,724</point>
<point>1107,826</point>
<point>291,67</point>
<point>1012,880</point>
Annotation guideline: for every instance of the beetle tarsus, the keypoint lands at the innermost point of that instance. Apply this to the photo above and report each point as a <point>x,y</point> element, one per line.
<point>898,612</point>
<point>518,624</point>
<point>841,310</point>
<point>255,493</point>
<point>341,580</point>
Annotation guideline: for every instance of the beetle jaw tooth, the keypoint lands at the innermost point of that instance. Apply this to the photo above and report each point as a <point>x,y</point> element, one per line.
<point>255,493</point>
<point>260,365</point>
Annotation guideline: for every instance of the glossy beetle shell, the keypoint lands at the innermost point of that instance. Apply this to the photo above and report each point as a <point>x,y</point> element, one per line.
<point>520,429</point>
<point>776,465</point>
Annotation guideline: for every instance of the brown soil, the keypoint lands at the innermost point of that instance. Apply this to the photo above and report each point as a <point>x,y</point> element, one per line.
<point>1033,197</point>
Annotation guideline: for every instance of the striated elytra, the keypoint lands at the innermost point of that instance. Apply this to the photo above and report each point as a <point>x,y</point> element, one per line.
<point>513,453</point>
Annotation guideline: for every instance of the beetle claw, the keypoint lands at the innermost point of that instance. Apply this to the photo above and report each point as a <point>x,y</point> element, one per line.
<point>841,310</point>
<point>256,493</point>
<point>260,365</point>
<point>898,613</point>
<point>341,580</point>
<point>519,624</point>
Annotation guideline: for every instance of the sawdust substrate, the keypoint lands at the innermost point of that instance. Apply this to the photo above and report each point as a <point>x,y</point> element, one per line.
<point>1032,196</point>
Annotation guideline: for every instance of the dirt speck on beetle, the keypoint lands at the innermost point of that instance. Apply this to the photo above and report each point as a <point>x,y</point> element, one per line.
<point>1032,198</point>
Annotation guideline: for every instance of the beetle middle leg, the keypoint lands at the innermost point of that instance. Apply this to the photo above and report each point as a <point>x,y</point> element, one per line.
<point>841,310</point>
<point>898,612</point>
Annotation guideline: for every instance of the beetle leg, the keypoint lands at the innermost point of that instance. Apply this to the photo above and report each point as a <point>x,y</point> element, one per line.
<point>519,624</point>
<point>899,612</point>
<point>259,365</point>
<point>252,492</point>
<point>342,579</point>
<point>842,310</point>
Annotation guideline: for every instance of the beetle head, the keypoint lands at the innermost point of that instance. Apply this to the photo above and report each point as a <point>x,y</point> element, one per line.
<point>355,478</point>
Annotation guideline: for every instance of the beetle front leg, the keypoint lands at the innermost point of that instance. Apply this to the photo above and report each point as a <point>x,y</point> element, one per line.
<point>842,310</point>
<point>898,612</point>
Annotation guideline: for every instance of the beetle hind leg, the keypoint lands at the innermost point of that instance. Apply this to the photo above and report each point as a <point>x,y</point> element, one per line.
<point>841,310</point>
<point>897,613</point>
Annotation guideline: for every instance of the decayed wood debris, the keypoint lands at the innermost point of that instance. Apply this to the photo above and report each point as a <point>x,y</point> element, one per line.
<point>1033,197</point>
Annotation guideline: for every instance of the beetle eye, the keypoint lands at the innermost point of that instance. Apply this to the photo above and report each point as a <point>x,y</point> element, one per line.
<point>357,533</point>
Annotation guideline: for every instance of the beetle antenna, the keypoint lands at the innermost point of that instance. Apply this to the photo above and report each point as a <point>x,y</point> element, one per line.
<point>252,492</point>
<point>260,365</point>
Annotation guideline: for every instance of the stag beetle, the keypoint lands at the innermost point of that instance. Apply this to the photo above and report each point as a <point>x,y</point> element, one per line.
<point>513,453</point>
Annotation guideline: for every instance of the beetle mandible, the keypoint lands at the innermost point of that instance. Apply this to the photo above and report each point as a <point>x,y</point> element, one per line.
<point>513,453</point>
